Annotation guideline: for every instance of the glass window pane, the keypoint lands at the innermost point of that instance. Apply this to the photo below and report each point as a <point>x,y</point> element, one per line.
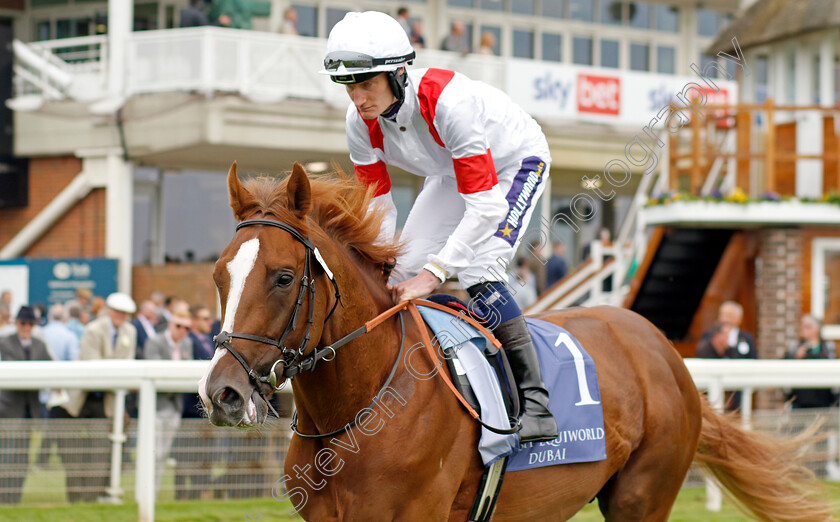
<point>523,44</point>
<point>553,8</point>
<point>665,59</point>
<point>582,50</point>
<point>334,16</point>
<point>668,18</point>
<point>307,21</point>
<point>705,60</point>
<point>460,3</point>
<point>611,12</point>
<point>42,30</point>
<point>581,10</point>
<point>491,5</point>
<point>707,22</point>
<point>831,288</point>
<point>525,6</point>
<point>552,47</point>
<point>639,57</point>
<point>489,42</point>
<point>640,15</point>
<point>609,53</point>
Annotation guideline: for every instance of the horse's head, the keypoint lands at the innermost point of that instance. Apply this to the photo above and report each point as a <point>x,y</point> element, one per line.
<point>271,314</point>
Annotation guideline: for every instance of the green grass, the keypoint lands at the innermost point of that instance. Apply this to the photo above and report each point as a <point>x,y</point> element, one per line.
<point>690,507</point>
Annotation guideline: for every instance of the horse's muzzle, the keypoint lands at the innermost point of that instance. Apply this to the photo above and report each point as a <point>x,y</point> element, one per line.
<point>230,408</point>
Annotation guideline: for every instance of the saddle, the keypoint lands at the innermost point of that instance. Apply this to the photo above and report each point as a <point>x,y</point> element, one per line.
<point>497,359</point>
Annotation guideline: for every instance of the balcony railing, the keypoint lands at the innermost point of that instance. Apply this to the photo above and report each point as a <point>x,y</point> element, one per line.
<point>759,148</point>
<point>261,66</point>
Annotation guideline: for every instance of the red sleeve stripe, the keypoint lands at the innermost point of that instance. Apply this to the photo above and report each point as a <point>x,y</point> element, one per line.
<point>375,174</point>
<point>432,84</point>
<point>376,138</point>
<point>475,173</point>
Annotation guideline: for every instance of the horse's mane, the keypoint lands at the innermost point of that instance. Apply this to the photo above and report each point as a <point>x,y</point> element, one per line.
<point>339,208</point>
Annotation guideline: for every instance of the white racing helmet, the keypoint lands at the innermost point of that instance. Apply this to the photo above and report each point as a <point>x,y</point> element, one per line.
<point>363,45</point>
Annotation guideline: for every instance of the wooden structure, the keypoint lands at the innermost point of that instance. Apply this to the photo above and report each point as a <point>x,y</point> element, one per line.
<point>754,143</point>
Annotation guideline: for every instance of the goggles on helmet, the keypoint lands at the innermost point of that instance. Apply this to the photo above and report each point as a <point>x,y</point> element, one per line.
<point>353,60</point>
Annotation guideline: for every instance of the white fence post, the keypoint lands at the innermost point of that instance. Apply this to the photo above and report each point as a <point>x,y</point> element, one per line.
<point>117,439</point>
<point>145,486</point>
<point>714,498</point>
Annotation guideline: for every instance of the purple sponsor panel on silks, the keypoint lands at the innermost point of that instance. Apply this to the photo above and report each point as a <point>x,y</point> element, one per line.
<point>520,196</point>
<point>574,400</point>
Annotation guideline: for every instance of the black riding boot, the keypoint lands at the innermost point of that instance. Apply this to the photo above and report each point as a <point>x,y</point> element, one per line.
<point>537,422</point>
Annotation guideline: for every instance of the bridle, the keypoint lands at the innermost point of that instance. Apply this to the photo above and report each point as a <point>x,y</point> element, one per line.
<point>293,359</point>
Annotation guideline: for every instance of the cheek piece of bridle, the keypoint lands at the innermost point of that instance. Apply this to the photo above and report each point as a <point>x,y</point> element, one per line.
<point>294,360</point>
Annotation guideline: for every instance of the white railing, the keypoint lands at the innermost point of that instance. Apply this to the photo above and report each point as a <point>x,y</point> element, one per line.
<point>150,377</point>
<point>263,67</point>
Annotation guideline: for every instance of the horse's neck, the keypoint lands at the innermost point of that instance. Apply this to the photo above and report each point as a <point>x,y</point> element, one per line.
<point>338,389</point>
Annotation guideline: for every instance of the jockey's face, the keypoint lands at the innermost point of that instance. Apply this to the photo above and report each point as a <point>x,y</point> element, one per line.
<point>371,97</point>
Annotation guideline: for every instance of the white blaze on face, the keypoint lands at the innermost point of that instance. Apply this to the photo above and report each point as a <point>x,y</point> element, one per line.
<point>239,267</point>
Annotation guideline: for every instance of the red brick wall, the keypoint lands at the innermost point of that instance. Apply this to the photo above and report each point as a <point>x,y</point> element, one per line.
<point>779,288</point>
<point>192,282</point>
<point>79,233</point>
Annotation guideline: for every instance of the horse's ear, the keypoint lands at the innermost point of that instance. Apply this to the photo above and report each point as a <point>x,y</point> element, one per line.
<point>240,199</point>
<point>300,194</point>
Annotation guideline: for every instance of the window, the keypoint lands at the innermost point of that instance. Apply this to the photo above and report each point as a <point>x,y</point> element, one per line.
<point>834,79</point>
<point>582,50</point>
<point>639,57</point>
<point>307,22</point>
<point>334,15</point>
<point>68,28</point>
<point>528,7</point>
<point>790,76</point>
<point>497,37</point>
<point>523,44</point>
<point>609,53</point>
<point>460,3</point>
<point>825,284</point>
<point>705,60</point>
<point>42,30</point>
<point>667,18</point>
<point>611,12</point>
<point>552,47</point>
<point>665,59</point>
<point>581,10</point>
<point>761,73</point>
<point>553,9</point>
<point>815,79</point>
<point>707,22</point>
<point>640,15</point>
<point>491,5</point>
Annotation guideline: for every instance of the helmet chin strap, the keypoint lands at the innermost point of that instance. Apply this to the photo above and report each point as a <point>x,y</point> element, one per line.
<point>397,80</point>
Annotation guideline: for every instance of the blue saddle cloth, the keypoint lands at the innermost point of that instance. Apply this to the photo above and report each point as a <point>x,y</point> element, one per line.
<point>569,374</point>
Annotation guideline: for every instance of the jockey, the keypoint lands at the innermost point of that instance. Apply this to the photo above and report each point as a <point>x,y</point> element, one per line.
<point>485,162</point>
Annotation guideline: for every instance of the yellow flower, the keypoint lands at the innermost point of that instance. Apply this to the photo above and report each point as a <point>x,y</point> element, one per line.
<point>677,196</point>
<point>736,196</point>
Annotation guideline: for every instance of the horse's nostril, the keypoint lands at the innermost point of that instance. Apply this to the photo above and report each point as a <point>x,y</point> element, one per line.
<point>229,399</point>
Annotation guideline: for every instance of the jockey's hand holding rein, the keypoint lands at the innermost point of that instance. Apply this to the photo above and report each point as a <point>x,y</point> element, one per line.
<point>418,286</point>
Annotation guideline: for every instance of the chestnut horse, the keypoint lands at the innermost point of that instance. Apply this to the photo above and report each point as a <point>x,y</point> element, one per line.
<point>414,456</point>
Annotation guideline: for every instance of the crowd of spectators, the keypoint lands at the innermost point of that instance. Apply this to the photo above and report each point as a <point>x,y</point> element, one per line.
<point>92,328</point>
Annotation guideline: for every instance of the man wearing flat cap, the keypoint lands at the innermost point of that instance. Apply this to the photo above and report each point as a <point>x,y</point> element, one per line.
<point>16,404</point>
<point>111,336</point>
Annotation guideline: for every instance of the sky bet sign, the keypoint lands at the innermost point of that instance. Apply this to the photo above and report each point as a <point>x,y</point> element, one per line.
<point>566,92</point>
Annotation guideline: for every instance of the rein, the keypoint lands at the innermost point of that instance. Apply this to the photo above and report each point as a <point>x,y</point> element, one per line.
<point>294,360</point>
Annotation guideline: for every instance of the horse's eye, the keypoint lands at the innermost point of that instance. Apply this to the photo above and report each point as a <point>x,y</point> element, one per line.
<point>284,280</point>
